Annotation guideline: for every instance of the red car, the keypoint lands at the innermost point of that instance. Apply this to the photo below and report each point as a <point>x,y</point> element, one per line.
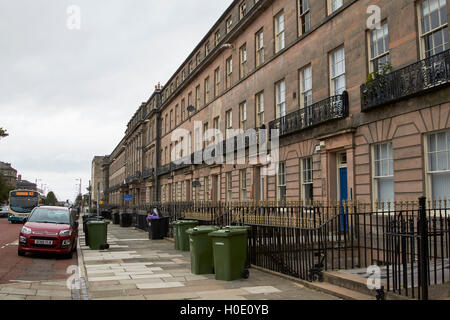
<point>49,230</point>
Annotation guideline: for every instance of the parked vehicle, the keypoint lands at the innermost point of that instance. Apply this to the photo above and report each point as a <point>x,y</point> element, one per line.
<point>4,212</point>
<point>49,230</point>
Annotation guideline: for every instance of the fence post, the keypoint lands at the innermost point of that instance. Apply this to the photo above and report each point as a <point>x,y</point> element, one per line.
<point>423,259</point>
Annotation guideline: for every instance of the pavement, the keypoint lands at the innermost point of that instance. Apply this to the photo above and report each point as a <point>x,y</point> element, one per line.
<point>136,268</point>
<point>33,277</point>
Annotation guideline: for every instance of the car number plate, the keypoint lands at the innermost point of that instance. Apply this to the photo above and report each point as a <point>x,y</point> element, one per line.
<point>44,242</point>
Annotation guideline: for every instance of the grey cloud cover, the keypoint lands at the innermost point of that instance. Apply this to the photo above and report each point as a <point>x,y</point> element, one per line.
<point>66,96</point>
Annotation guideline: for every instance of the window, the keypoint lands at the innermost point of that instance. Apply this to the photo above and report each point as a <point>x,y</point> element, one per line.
<point>183,109</point>
<point>307,179</point>
<point>333,5</point>
<point>171,119</point>
<point>229,186</point>
<point>261,184</point>
<point>191,67</point>
<point>243,115</point>
<point>197,96</point>
<point>166,124</point>
<point>243,61</point>
<point>229,122</point>
<point>279,32</point>
<point>280,89</point>
<point>438,169</point>
<point>207,48</point>
<point>259,48</point>
<point>281,182</point>
<point>229,24</point>
<point>207,97</point>
<point>205,129</point>
<point>176,115</point>
<point>229,72</point>
<point>304,17</point>
<point>206,189</point>
<point>259,109</point>
<point>216,82</point>
<point>243,185</point>
<point>197,59</point>
<point>217,38</point>
<point>433,27</point>
<point>242,10</point>
<point>190,102</point>
<point>305,87</point>
<point>216,128</point>
<point>337,75</point>
<point>379,48</point>
<point>383,175</point>
<point>198,139</point>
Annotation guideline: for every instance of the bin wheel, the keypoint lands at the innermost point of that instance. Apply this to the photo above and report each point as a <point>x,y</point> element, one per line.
<point>245,274</point>
<point>104,247</point>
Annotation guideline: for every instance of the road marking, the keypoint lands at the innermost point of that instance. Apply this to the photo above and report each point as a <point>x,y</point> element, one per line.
<point>15,243</point>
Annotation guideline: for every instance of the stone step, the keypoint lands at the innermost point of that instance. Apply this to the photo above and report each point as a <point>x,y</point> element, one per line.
<point>355,284</point>
<point>341,292</point>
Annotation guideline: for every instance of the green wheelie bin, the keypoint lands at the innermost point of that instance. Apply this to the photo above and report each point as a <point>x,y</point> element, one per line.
<point>202,260</point>
<point>248,228</point>
<point>98,235</point>
<point>230,253</point>
<point>181,236</point>
<point>175,235</point>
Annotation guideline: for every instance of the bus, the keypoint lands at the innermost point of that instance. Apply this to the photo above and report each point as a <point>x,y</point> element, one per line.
<point>21,203</point>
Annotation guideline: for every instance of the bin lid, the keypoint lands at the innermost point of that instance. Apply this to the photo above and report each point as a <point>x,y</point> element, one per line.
<point>238,227</point>
<point>226,232</point>
<point>202,230</point>
<point>186,222</point>
<point>97,222</point>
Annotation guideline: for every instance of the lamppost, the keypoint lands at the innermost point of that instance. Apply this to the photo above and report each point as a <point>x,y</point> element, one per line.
<point>79,193</point>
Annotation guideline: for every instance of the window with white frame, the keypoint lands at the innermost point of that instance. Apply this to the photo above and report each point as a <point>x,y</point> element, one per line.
<point>198,140</point>
<point>243,185</point>
<point>333,5</point>
<point>217,128</point>
<point>305,87</point>
<point>383,175</point>
<point>243,115</point>
<point>216,82</point>
<point>433,27</point>
<point>337,75</point>
<point>259,109</point>
<point>207,91</point>
<point>229,72</point>
<point>307,179</point>
<point>304,16</point>
<point>438,169</point>
<point>279,32</point>
<point>281,182</point>
<point>242,10</point>
<point>379,48</point>
<point>229,122</point>
<point>259,39</point>
<point>229,24</point>
<point>243,61</point>
<point>280,94</point>
<point>229,186</point>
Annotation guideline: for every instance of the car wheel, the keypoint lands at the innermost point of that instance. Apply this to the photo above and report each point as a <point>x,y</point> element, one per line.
<point>20,253</point>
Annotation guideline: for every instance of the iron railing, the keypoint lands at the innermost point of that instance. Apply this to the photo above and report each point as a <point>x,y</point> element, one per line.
<point>332,108</point>
<point>415,79</point>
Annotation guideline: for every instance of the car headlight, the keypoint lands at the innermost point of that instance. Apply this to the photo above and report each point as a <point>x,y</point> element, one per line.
<point>26,230</point>
<point>65,233</point>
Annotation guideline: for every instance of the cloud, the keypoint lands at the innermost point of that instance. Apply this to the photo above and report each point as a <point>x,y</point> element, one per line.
<point>66,96</point>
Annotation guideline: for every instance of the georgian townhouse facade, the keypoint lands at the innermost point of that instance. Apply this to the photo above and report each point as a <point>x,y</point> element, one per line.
<point>362,113</point>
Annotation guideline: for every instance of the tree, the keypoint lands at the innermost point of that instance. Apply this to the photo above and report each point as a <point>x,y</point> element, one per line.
<point>3,133</point>
<point>5,188</point>
<point>51,199</point>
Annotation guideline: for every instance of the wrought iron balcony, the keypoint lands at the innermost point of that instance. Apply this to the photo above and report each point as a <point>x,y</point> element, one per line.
<point>148,173</point>
<point>163,170</point>
<point>332,108</point>
<point>416,79</point>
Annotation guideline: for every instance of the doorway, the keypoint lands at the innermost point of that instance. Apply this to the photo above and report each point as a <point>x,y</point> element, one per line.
<point>342,188</point>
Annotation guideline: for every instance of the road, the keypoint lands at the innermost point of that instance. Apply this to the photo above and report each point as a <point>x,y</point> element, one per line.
<point>32,267</point>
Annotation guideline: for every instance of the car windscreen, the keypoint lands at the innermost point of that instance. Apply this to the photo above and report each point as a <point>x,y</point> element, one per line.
<point>43,215</point>
<point>23,204</point>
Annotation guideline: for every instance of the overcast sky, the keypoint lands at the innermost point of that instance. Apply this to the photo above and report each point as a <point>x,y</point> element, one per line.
<point>67,94</point>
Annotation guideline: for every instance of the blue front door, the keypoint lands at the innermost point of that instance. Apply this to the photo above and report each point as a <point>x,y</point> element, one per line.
<point>343,187</point>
